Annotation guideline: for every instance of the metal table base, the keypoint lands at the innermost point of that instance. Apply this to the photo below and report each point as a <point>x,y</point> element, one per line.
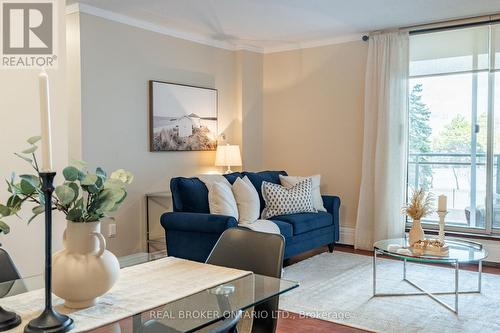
<point>432,295</point>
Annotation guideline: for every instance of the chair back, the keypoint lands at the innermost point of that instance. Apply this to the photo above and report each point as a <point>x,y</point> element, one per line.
<point>259,252</point>
<point>8,272</point>
<point>249,250</point>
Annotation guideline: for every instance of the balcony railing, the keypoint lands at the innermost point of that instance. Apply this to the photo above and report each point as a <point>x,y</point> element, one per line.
<point>462,177</point>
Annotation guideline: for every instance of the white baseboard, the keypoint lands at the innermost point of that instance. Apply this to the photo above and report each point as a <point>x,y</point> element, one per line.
<point>493,246</point>
<point>347,235</point>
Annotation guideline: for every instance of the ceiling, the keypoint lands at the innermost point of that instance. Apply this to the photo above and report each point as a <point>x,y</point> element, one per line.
<point>270,25</point>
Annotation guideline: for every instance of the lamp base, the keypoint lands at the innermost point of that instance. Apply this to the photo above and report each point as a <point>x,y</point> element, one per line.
<point>50,321</point>
<point>8,320</point>
<point>228,171</point>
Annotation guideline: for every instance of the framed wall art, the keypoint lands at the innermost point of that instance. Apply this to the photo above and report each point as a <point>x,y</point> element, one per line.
<point>182,117</point>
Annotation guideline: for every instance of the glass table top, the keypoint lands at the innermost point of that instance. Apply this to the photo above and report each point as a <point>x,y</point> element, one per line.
<point>187,314</point>
<point>209,306</point>
<point>459,250</point>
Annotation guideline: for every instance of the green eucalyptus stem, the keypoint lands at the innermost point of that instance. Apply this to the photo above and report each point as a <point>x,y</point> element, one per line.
<point>35,165</point>
<point>83,196</point>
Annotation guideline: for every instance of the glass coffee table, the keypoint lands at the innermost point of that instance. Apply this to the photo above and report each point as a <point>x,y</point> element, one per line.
<point>460,252</point>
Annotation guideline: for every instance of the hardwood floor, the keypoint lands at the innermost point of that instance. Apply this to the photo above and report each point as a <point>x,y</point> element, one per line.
<point>290,322</point>
<point>293,323</point>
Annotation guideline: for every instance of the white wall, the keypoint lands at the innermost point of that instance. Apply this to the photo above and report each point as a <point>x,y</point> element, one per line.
<point>20,119</point>
<point>117,61</point>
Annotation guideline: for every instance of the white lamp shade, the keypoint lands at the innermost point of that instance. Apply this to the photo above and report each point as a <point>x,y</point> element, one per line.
<point>228,155</point>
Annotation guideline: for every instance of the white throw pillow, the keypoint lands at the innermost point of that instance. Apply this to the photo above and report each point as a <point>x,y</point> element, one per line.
<point>221,200</point>
<point>289,181</point>
<point>283,201</point>
<point>247,200</point>
<point>209,180</point>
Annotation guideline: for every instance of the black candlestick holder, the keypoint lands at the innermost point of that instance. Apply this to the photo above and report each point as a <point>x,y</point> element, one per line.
<point>8,320</point>
<point>49,321</point>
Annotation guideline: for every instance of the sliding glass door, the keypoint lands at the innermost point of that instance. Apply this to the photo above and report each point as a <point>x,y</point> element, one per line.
<point>453,149</point>
<point>495,106</point>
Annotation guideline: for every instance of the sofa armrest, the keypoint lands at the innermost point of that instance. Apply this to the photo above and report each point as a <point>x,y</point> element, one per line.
<point>197,222</point>
<point>332,205</point>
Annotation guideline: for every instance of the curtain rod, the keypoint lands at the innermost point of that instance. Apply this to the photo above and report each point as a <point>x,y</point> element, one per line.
<point>413,30</point>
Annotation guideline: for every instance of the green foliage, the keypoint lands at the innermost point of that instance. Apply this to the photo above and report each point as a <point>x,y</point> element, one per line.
<point>30,150</point>
<point>71,173</point>
<point>65,194</point>
<point>83,197</point>
<point>455,137</point>
<point>34,139</point>
<point>4,228</point>
<point>4,210</point>
<point>89,180</point>
<point>420,132</point>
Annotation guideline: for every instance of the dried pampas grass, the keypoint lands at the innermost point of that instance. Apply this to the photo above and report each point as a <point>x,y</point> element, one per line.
<point>420,205</point>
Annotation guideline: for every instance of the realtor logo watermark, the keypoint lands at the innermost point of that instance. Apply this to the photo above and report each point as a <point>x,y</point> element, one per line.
<point>28,34</point>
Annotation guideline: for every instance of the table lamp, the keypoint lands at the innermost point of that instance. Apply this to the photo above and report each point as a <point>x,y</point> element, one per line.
<point>228,155</point>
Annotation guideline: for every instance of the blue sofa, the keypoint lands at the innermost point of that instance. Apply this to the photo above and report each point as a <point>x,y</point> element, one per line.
<point>191,231</point>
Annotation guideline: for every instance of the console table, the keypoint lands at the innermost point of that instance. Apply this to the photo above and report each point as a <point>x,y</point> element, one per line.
<point>153,237</point>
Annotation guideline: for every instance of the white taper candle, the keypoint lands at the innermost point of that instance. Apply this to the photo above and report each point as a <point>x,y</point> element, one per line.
<point>442,203</point>
<point>45,122</point>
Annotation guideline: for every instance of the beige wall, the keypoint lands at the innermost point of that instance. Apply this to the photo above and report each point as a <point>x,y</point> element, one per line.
<point>73,74</point>
<point>250,99</point>
<point>313,117</point>
<point>117,61</point>
<point>20,119</point>
<point>299,110</point>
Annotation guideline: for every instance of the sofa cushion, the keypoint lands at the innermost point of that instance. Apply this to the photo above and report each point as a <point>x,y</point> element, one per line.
<point>231,177</point>
<point>286,228</point>
<point>189,195</point>
<point>221,200</point>
<point>247,200</point>
<point>305,222</point>
<point>258,177</point>
<point>285,201</point>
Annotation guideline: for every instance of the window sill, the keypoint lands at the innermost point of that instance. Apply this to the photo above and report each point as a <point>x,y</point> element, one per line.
<point>494,237</point>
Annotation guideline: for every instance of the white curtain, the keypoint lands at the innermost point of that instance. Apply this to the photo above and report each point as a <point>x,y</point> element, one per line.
<point>384,145</point>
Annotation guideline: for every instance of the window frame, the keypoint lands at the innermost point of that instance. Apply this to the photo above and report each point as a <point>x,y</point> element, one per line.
<point>488,230</point>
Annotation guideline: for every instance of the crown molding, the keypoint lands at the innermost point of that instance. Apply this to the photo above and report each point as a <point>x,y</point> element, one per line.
<point>124,19</point>
<point>112,16</point>
<point>314,43</point>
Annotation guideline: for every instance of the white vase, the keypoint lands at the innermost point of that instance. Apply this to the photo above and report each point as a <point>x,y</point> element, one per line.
<point>416,233</point>
<point>84,269</point>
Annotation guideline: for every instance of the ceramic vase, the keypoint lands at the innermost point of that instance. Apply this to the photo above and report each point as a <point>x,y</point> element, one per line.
<point>416,233</point>
<point>84,269</point>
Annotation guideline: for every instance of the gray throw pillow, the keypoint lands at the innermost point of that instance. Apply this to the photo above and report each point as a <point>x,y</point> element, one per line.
<point>281,200</point>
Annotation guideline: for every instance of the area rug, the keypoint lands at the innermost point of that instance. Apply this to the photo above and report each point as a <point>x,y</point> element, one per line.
<point>338,287</point>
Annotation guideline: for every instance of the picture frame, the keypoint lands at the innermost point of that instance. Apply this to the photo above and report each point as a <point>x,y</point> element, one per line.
<point>182,117</point>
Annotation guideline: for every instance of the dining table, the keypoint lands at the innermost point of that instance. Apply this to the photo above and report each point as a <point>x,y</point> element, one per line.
<point>192,312</point>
